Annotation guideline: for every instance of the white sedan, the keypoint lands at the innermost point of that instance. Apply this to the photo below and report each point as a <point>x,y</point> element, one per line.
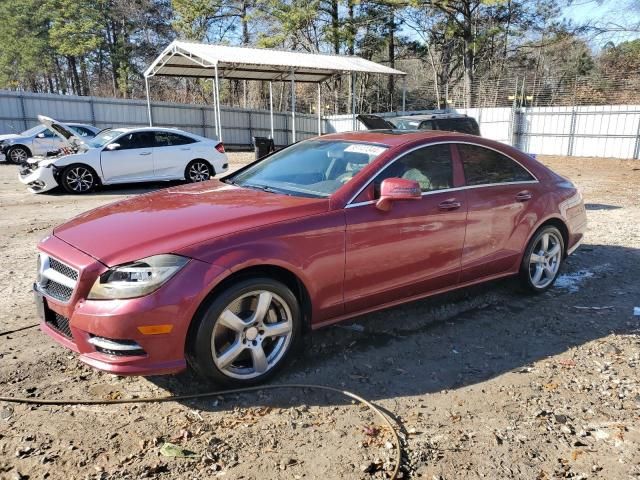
<point>123,155</point>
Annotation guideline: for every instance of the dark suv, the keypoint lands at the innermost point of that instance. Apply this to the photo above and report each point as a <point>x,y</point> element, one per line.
<point>450,122</point>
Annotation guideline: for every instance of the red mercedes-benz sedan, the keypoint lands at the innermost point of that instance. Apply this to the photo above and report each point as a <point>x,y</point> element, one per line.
<point>227,276</point>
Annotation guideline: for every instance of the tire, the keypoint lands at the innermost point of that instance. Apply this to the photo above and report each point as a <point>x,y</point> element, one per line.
<point>198,171</point>
<point>18,154</point>
<point>229,341</point>
<point>542,260</point>
<point>78,179</point>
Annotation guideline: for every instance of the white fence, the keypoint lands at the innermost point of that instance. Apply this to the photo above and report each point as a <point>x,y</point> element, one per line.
<point>603,131</point>
<point>590,131</point>
<point>19,111</point>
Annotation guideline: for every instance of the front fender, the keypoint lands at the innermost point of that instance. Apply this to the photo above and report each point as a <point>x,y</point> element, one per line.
<point>311,248</point>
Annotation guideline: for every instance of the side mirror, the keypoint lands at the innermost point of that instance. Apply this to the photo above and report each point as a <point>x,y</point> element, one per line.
<point>40,135</point>
<point>113,146</point>
<point>394,189</point>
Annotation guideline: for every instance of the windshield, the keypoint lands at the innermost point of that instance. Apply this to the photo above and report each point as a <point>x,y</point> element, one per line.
<point>32,131</point>
<point>103,138</point>
<point>315,168</point>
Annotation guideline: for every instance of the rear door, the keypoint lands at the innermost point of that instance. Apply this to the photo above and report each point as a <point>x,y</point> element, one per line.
<point>500,194</point>
<point>131,161</point>
<point>416,246</point>
<point>171,154</point>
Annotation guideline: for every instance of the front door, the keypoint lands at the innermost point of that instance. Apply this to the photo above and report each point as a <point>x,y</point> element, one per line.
<point>416,246</point>
<point>131,161</point>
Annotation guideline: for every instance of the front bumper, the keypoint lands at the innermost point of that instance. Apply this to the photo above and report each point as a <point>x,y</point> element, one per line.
<point>77,323</point>
<point>39,179</point>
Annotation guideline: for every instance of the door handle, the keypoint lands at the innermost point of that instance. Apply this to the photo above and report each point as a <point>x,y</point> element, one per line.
<point>145,153</point>
<point>449,205</point>
<point>186,148</point>
<point>524,196</point>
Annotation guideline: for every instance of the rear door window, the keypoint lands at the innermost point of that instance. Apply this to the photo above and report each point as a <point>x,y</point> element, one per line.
<point>483,166</point>
<point>177,139</point>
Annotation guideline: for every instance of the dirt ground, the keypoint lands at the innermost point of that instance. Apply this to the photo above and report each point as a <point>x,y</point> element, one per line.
<point>485,383</point>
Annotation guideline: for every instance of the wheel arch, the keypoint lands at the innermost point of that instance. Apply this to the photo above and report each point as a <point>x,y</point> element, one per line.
<point>20,145</point>
<point>62,168</point>
<point>554,222</point>
<point>200,159</point>
<point>276,272</point>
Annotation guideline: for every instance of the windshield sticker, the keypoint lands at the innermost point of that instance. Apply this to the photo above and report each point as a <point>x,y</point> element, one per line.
<point>367,149</point>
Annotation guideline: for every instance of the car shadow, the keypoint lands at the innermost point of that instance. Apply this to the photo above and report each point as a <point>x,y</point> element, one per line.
<point>454,340</point>
<point>122,189</point>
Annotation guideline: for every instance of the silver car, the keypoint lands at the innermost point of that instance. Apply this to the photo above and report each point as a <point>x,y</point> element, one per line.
<point>38,141</point>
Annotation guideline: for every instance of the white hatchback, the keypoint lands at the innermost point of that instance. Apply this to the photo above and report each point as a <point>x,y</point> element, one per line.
<point>123,155</point>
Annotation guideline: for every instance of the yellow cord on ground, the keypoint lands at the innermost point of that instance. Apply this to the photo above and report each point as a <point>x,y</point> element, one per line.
<point>177,398</point>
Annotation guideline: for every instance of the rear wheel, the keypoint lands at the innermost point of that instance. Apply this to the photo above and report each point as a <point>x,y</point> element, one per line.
<point>245,334</point>
<point>18,154</point>
<point>542,259</point>
<point>198,171</point>
<point>78,179</point>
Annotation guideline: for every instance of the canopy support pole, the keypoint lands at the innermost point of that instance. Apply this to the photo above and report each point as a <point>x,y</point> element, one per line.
<point>215,109</point>
<point>218,104</point>
<point>293,106</point>
<point>319,110</point>
<point>404,95</point>
<point>146,86</point>
<point>271,108</point>
<point>353,100</point>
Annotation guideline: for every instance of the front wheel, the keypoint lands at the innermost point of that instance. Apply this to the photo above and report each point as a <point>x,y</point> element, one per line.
<point>18,155</point>
<point>542,260</point>
<point>78,179</point>
<point>245,334</point>
<point>198,171</point>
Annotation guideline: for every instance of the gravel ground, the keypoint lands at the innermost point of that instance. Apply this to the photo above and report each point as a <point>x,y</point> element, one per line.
<point>485,383</point>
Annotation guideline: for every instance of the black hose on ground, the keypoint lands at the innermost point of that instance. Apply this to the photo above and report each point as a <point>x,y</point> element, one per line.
<point>193,396</point>
<point>9,332</point>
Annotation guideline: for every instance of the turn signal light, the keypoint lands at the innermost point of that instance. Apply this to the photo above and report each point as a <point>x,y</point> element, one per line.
<point>155,329</point>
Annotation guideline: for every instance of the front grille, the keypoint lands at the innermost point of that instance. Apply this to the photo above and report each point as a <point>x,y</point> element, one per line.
<point>56,279</point>
<point>56,290</point>
<point>66,270</point>
<point>58,322</point>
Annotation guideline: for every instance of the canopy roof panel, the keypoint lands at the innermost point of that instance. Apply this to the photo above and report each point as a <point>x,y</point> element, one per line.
<point>187,59</point>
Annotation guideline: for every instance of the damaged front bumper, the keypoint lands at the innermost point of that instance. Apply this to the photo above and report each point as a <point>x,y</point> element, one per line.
<point>38,179</point>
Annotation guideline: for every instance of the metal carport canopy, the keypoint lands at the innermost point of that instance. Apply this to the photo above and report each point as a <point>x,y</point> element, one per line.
<point>201,60</point>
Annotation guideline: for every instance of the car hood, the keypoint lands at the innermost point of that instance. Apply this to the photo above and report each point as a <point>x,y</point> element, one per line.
<point>61,130</point>
<point>9,136</point>
<point>169,220</point>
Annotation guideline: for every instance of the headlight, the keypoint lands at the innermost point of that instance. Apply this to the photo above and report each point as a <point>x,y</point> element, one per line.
<point>138,278</point>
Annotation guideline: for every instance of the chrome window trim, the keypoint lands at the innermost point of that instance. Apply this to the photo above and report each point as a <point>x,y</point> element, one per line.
<point>453,189</point>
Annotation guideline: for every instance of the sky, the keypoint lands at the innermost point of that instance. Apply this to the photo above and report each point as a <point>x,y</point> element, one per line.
<point>608,13</point>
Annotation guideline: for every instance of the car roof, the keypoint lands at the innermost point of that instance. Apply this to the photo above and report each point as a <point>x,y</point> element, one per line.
<point>153,129</point>
<point>393,138</point>
<point>431,116</point>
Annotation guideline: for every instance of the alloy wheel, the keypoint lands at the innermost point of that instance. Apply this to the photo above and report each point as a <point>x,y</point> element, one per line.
<point>18,155</point>
<point>251,335</point>
<point>199,172</point>
<point>545,259</point>
<point>79,179</point>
